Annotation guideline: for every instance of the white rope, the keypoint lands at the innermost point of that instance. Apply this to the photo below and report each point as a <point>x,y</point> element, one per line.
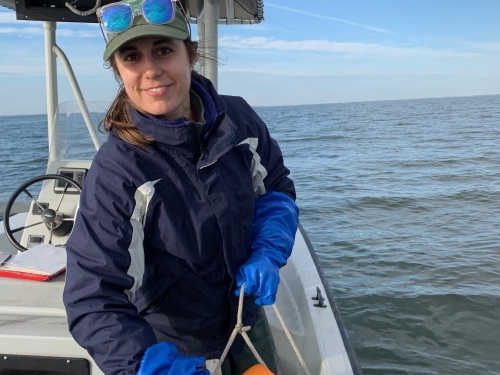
<point>295,349</point>
<point>238,328</point>
<point>83,13</point>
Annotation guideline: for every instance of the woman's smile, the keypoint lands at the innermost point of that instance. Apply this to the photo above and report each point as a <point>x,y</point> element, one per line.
<point>157,91</point>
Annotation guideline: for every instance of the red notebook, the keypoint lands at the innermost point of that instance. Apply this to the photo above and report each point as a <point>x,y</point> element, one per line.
<point>39,263</point>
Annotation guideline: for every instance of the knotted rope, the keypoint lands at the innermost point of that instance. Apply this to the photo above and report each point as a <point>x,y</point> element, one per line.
<point>239,328</point>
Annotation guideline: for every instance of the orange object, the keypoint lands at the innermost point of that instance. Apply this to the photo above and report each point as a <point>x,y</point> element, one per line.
<point>257,370</point>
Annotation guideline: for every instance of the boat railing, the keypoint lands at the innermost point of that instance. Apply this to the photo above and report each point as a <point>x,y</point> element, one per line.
<point>79,100</point>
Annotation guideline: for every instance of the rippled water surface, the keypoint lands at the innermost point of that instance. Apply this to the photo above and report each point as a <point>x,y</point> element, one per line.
<point>401,200</point>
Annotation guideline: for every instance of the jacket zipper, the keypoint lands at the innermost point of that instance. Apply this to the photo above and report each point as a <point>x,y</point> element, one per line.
<point>208,165</point>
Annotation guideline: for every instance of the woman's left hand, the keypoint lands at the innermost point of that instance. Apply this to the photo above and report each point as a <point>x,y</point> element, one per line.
<point>262,277</point>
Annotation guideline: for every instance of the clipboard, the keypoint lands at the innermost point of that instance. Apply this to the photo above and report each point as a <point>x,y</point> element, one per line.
<point>39,263</point>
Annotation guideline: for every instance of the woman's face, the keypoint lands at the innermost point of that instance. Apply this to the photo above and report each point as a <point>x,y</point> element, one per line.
<point>156,74</point>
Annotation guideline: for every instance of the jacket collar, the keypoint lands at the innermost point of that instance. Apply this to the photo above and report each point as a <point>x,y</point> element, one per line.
<point>174,132</point>
<point>221,136</point>
<point>206,84</point>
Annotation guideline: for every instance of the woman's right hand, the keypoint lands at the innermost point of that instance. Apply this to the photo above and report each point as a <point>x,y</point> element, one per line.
<point>164,359</point>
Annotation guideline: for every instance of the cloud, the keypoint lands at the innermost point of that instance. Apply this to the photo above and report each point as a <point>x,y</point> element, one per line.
<point>266,27</point>
<point>295,10</point>
<point>274,89</point>
<point>490,47</point>
<point>38,31</point>
<point>78,33</point>
<point>346,48</point>
<point>22,31</point>
<point>35,28</point>
<point>23,70</point>
<point>7,17</point>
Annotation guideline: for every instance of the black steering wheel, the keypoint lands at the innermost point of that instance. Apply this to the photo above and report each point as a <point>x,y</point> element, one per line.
<point>57,222</point>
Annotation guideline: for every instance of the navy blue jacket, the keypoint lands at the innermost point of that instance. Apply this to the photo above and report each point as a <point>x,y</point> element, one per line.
<point>161,231</point>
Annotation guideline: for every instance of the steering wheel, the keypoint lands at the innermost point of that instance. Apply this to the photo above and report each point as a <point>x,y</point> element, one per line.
<point>58,223</point>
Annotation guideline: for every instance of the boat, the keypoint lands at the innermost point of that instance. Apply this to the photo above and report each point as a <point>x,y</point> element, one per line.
<point>33,330</point>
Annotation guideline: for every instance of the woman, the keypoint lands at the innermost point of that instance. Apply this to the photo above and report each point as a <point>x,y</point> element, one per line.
<point>186,200</point>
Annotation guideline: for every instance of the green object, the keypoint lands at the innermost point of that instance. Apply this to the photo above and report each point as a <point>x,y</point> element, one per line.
<point>177,29</point>
<point>260,336</point>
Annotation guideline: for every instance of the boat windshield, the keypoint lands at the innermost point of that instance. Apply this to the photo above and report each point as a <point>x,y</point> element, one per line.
<point>76,135</point>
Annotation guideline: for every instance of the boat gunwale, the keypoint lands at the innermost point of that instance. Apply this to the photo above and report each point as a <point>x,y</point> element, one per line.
<point>351,354</point>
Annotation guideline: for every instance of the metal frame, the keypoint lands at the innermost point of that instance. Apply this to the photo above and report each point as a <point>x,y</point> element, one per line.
<point>208,32</point>
<point>209,29</point>
<point>49,31</point>
<point>78,94</point>
<point>52,51</point>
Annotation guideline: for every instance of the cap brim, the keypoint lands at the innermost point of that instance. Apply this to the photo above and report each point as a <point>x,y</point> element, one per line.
<point>168,31</point>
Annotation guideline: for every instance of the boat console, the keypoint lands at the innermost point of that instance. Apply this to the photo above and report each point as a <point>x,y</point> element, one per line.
<point>53,198</point>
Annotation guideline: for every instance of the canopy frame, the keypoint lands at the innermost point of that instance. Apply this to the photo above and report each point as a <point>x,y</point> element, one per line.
<point>207,14</point>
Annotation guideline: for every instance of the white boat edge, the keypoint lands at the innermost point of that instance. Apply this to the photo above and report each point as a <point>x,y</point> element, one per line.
<point>322,339</point>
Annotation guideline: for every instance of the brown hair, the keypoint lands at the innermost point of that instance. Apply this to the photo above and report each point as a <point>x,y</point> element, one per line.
<point>118,118</point>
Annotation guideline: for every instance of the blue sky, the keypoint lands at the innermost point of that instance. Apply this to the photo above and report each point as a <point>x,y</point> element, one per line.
<point>334,51</point>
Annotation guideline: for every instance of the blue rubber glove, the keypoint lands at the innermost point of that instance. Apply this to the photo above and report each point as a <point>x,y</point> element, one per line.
<point>276,218</point>
<point>262,275</point>
<point>164,359</point>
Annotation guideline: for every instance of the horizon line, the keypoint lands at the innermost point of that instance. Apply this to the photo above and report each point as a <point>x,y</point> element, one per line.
<point>295,105</point>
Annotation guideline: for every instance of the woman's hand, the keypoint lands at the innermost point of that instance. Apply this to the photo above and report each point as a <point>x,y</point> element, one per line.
<point>164,359</point>
<point>262,277</point>
<point>273,235</point>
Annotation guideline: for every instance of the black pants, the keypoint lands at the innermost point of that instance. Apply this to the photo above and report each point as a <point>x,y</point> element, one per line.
<point>261,338</point>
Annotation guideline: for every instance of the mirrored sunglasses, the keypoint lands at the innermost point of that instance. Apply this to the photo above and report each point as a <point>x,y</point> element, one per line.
<point>118,17</point>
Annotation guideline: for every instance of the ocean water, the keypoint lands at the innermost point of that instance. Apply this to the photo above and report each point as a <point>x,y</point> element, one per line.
<point>401,201</point>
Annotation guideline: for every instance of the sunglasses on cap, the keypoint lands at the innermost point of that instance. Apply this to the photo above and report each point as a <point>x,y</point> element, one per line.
<point>118,17</point>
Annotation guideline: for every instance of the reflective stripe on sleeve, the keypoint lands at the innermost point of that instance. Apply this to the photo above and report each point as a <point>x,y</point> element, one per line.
<point>143,196</point>
<point>257,170</point>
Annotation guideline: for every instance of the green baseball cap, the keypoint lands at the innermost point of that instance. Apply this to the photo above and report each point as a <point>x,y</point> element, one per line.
<point>177,29</point>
